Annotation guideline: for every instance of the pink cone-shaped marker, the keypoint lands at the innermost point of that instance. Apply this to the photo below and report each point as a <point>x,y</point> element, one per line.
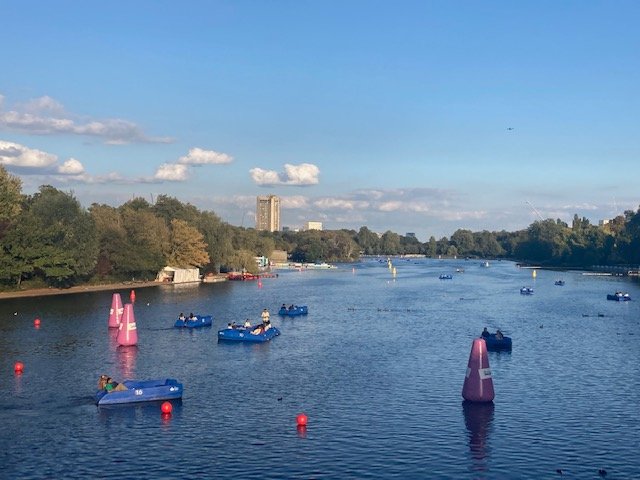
<point>127,333</point>
<point>115,314</point>
<point>478,385</point>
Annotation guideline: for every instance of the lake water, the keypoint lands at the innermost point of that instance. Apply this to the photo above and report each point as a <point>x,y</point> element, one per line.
<point>377,366</point>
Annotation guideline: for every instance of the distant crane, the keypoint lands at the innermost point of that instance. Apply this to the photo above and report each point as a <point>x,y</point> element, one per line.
<point>534,209</point>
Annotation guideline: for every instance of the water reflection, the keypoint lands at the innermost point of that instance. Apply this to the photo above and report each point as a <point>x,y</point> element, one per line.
<point>302,431</point>
<point>127,361</point>
<point>477,418</point>
<point>131,412</point>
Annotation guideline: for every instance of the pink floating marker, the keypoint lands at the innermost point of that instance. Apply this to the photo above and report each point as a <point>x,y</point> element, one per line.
<point>127,332</point>
<point>115,314</point>
<point>478,384</point>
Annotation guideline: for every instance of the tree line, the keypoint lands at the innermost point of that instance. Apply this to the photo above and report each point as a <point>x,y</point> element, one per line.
<point>49,239</point>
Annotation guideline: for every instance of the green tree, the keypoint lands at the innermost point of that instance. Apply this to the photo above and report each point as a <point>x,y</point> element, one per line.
<point>10,199</point>
<point>187,247</point>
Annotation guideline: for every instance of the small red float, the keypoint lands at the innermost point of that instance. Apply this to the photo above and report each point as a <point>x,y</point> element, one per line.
<point>301,419</point>
<point>132,296</point>
<point>18,367</point>
<point>166,407</point>
<point>36,322</point>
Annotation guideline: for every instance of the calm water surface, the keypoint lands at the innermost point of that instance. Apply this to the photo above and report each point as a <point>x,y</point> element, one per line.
<point>377,365</point>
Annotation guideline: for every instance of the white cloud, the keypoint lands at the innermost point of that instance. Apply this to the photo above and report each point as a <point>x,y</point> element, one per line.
<point>44,104</point>
<point>293,175</point>
<point>71,167</point>
<point>295,201</point>
<point>264,177</point>
<point>15,155</point>
<point>46,116</point>
<point>340,204</point>
<point>198,156</point>
<point>172,172</point>
<point>391,206</point>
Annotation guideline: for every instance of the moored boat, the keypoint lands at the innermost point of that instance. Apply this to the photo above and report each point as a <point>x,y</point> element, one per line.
<point>242,334</point>
<point>141,391</point>
<point>559,282</point>
<point>526,291</point>
<point>194,322</point>
<point>445,276</point>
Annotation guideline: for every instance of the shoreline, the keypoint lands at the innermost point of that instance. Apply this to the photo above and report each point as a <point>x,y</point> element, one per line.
<point>44,292</point>
<point>128,285</point>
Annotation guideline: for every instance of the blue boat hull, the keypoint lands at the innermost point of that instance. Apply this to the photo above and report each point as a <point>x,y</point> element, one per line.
<point>293,312</point>
<point>244,335</point>
<point>200,321</point>
<point>619,298</point>
<point>495,344</point>
<point>141,391</point>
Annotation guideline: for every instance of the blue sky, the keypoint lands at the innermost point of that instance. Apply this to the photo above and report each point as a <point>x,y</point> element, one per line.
<point>409,116</point>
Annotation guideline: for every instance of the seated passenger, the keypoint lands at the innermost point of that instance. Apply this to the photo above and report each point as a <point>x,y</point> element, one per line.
<point>247,323</point>
<point>499,335</point>
<point>485,332</point>
<point>229,326</point>
<point>258,330</point>
<point>112,386</point>
<point>182,317</point>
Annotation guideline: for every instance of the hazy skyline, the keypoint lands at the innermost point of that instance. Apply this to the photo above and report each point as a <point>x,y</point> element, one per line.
<point>410,116</point>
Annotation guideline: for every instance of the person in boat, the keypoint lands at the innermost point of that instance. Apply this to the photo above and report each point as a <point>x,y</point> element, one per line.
<point>192,316</point>
<point>499,335</point>
<point>292,306</point>
<point>485,332</point>
<point>229,326</point>
<point>247,323</point>
<point>110,385</point>
<point>258,330</point>
<point>284,306</point>
<point>265,316</point>
<point>182,317</point>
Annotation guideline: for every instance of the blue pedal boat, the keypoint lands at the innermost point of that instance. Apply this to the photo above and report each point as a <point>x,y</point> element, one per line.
<point>195,322</point>
<point>495,344</point>
<point>526,291</point>
<point>293,311</point>
<point>141,391</point>
<point>446,276</point>
<point>242,334</point>
<point>619,297</point>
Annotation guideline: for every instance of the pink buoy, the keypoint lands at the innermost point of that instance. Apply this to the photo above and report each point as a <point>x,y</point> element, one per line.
<point>478,384</point>
<point>132,296</point>
<point>36,322</point>
<point>127,332</point>
<point>115,314</point>
<point>301,420</point>
<point>18,367</point>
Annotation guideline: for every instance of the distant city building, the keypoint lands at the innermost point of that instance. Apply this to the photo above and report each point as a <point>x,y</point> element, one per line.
<point>602,223</point>
<point>313,226</point>
<point>268,213</point>
<point>410,235</point>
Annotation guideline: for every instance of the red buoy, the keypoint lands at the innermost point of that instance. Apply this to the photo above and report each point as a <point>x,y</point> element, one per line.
<point>132,296</point>
<point>36,322</point>
<point>18,367</point>
<point>166,407</point>
<point>301,419</point>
